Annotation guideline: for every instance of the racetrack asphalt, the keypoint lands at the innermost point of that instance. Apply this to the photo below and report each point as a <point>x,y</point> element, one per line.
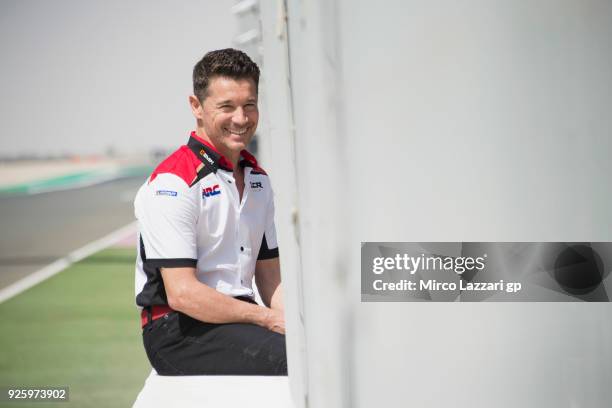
<point>39,229</point>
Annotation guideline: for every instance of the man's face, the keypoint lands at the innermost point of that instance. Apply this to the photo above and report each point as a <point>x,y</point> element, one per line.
<point>229,114</point>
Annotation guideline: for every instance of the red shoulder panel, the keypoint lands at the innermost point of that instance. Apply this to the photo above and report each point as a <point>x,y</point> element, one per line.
<point>182,163</point>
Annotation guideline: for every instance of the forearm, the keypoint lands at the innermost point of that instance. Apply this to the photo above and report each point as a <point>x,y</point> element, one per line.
<point>208,305</point>
<point>192,297</point>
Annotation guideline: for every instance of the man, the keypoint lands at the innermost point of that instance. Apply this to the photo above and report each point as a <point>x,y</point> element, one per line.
<point>206,227</point>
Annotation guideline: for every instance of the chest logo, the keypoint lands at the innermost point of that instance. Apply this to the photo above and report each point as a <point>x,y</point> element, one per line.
<point>211,191</point>
<point>256,185</point>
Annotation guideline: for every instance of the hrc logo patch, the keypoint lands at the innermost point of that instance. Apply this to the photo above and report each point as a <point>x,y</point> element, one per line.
<point>211,191</point>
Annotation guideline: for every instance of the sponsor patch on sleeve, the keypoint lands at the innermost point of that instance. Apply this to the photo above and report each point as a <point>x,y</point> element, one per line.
<point>166,193</point>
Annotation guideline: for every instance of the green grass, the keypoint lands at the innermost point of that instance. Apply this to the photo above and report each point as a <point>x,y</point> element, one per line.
<point>78,329</point>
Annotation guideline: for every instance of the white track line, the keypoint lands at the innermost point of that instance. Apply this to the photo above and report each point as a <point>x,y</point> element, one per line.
<point>91,181</point>
<point>61,264</point>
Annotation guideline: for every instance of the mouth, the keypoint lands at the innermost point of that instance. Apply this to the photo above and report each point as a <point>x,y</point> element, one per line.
<point>237,132</point>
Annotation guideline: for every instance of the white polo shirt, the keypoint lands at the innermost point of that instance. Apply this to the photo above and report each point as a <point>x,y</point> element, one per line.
<point>190,214</point>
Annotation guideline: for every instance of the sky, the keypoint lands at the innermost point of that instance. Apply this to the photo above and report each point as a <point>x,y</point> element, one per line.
<point>83,77</point>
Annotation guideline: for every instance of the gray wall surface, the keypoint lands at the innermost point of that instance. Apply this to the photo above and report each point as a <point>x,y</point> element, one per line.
<point>448,121</point>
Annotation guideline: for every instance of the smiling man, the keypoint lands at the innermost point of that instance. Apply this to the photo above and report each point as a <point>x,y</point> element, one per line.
<point>206,229</point>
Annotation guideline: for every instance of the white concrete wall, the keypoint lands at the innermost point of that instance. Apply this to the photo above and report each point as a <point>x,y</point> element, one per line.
<point>277,152</point>
<point>439,121</point>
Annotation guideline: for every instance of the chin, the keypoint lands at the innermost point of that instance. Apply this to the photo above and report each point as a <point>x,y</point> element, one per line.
<point>242,144</point>
<point>235,146</point>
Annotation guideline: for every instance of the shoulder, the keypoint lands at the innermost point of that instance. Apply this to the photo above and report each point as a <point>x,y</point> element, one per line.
<point>183,164</point>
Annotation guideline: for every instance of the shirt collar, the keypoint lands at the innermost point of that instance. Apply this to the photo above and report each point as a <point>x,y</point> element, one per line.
<point>211,157</point>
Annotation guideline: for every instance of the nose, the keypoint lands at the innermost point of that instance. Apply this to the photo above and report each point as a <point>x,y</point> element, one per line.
<point>240,117</point>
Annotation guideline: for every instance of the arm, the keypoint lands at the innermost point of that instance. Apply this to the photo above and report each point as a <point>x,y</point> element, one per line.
<point>188,295</point>
<point>268,280</point>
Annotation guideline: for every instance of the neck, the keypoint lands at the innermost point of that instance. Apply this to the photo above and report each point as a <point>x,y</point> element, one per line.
<point>234,157</point>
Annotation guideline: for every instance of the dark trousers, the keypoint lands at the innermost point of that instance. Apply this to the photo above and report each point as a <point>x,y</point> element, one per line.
<point>177,344</point>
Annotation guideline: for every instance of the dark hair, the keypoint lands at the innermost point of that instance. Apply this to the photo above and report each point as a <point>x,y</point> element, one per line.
<point>229,63</point>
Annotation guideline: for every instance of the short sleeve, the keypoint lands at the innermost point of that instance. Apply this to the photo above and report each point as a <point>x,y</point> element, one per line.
<point>167,213</point>
<point>269,244</point>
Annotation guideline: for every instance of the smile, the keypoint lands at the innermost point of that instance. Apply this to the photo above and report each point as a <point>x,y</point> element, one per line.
<point>238,132</point>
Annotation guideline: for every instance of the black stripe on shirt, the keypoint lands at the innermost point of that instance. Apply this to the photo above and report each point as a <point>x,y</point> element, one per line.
<point>265,252</point>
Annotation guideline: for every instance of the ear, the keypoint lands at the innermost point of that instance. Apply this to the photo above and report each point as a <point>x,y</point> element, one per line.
<point>196,107</point>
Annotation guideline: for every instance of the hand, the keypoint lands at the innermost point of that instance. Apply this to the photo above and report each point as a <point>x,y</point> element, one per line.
<point>274,320</point>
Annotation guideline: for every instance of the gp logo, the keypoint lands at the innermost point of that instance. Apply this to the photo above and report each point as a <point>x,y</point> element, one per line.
<point>211,191</point>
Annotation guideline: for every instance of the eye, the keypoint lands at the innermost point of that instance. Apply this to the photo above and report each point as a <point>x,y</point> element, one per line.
<point>226,108</point>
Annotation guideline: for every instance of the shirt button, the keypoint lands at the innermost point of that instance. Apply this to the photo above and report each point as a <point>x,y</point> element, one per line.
<point>242,248</point>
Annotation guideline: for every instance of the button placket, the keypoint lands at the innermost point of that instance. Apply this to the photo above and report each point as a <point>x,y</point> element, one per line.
<point>236,195</point>
<point>241,240</point>
<point>245,192</point>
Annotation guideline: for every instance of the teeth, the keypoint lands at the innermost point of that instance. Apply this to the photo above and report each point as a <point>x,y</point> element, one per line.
<point>236,132</point>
